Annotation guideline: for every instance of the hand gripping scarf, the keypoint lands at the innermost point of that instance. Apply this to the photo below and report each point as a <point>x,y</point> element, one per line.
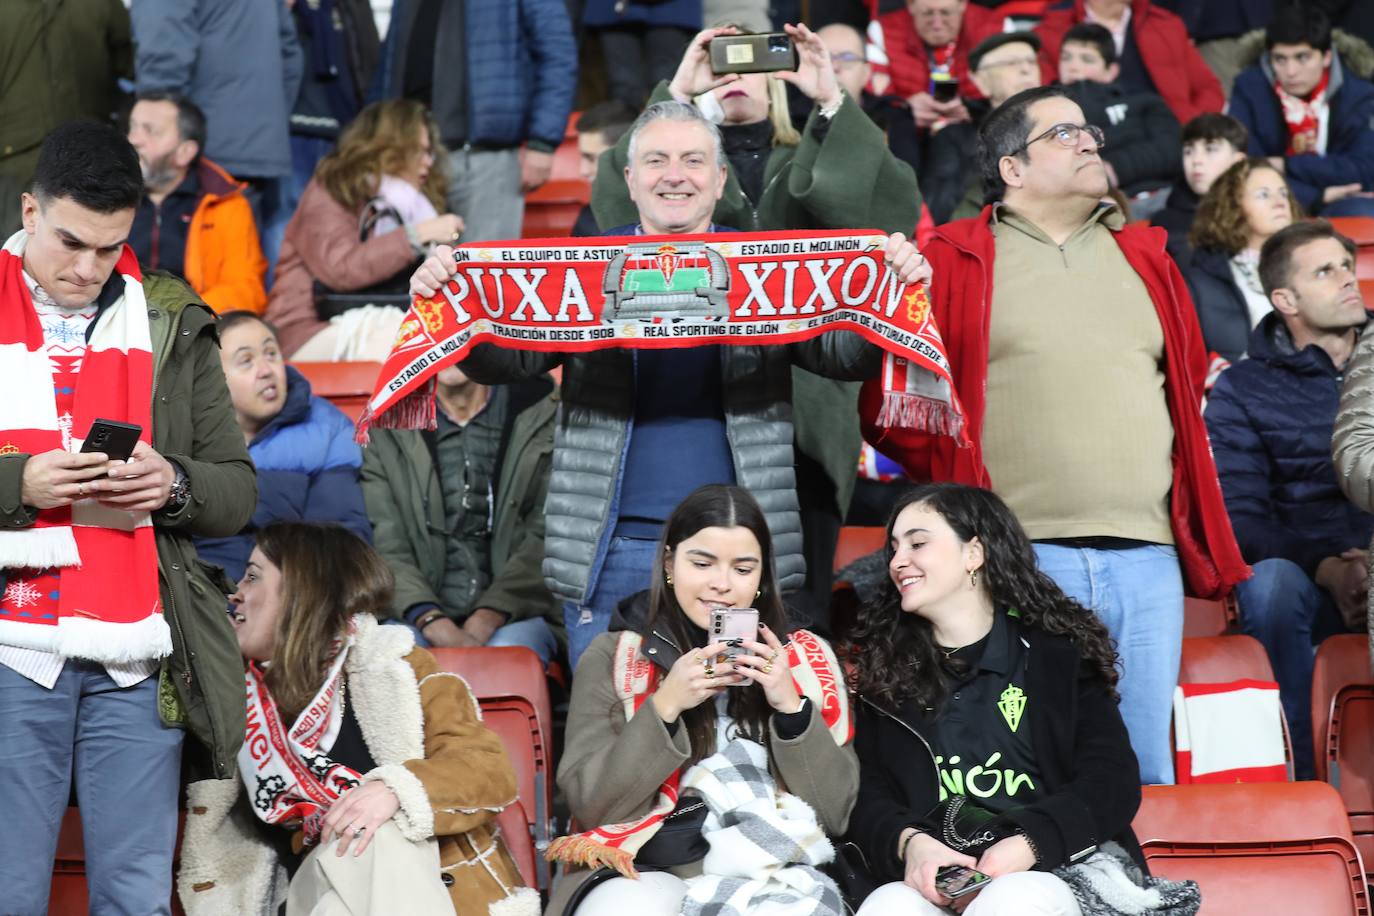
<point>817,677</point>
<point>288,777</point>
<point>643,292</point>
<point>108,608</point>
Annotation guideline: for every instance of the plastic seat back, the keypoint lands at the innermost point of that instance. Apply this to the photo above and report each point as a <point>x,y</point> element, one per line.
<point>858,541</point>
<point>1255,848</point>
<point>348,386</point>
<point>1343,723</point>
<point>1204,617</point>
<point>1222,659</point>
<point>513,694</point>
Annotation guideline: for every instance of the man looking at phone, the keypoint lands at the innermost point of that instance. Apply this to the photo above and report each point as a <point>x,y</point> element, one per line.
<point>642,429</point>
<point>112,639</point>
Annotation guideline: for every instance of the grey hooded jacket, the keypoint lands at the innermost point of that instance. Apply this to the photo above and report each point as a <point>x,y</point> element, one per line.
<point>598,403</point>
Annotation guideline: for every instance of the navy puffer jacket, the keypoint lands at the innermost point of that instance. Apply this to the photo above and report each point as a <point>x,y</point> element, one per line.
<point>1270,419</point>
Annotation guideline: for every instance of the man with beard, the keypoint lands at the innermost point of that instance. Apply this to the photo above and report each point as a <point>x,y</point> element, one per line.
<point>194,220</point>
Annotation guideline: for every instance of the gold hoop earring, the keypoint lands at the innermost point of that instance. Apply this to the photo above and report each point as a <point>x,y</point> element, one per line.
<point>669,580</point>
<point>758,594</point>
<point>973,578</point>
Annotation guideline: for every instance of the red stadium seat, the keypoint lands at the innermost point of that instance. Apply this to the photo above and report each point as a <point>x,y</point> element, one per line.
<point>1255,848</point>
<point>1359,229</point>
<point>1204,617</point>
<point>1222,659</point>
<point>1342,725</point>
<point>348,386</point>
<point>513,694</point>
<point>857,541</point>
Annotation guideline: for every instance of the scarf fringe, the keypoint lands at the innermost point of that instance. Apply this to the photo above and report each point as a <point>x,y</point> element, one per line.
<point>38,548</point>
<point>94,640</point>
<point>580,850</point>
<point>914,411</point>
<point>414,411</point>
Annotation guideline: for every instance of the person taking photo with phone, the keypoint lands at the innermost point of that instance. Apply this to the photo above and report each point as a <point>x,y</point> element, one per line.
<point>988,732</point>
<point>669,740</point>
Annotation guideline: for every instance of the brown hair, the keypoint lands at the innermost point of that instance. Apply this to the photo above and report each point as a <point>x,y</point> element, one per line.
<point>377,142</point>
<point>1220,222</point>
<point>1276,257</point>
<point>329,575</point>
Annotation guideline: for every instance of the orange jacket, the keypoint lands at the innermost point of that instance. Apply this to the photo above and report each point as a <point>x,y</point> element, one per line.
<point>224,262</point>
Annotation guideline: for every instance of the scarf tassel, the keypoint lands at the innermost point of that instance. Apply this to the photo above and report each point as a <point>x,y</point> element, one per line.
<point>414,411</point>
<point>38,548</point>
<point>913,411</point>
<point>580,850</point>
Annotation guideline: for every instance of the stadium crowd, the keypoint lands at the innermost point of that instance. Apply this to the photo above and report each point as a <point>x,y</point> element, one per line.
<point>223,621</point>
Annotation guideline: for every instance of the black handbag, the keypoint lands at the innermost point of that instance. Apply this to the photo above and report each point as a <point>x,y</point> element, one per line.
<point>966,827</point>
<point>678,840</point>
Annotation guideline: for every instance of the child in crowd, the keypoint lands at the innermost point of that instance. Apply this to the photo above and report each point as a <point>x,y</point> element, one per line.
<point>1212,143</point>
<point>367,779</point>
<point>659,714</point>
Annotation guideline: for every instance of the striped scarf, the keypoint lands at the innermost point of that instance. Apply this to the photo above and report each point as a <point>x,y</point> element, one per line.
<point>108,608</point>
<point>817,676</point>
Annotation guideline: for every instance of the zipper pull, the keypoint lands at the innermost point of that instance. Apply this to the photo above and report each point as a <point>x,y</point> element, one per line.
<point>586,617</point>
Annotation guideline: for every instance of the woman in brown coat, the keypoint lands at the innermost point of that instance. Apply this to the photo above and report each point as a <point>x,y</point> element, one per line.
<point>367,782</point>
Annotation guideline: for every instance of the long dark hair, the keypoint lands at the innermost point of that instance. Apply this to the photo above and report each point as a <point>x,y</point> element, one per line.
<point>717,506</point>
<point>893,654</point>
<point>328,575</point>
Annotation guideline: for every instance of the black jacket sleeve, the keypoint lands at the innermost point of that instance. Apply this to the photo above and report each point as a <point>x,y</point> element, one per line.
<point>1101,796</point>
<point>885,807</point>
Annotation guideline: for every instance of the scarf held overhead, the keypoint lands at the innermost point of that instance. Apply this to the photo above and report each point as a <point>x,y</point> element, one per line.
<point>817,676</point>
<point>643,292</point>
<point>108,608</point>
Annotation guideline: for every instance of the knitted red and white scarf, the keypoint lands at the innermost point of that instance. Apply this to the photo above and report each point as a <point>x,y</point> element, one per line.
<point>288,777</point>
<point>108,608</point>
<point>817,676</point>
<point>1307,119</point>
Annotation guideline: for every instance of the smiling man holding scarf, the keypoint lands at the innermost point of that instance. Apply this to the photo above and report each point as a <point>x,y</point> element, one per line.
<point>113,637</point>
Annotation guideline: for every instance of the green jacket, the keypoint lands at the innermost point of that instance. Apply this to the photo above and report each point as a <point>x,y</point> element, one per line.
<point>406,506</point>
<point>193,425</point>
<point>843,177</point>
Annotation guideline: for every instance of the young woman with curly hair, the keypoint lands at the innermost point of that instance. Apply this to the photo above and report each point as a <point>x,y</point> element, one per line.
<point>368,214</point>
<point>1246,205</point>
<point>977,677</point>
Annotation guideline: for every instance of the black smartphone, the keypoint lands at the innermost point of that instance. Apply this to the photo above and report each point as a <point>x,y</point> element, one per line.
<point>116,440</point>
<point>946,90</point>
<point>753,53</point>
<point>956,880</point>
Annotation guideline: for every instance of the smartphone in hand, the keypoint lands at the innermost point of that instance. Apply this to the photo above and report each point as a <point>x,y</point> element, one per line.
<point>956,880</point>
<point>116,440</point>
<point>732,626</point>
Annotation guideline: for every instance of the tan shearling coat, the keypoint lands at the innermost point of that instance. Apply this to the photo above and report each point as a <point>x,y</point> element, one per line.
<point>451,774</point>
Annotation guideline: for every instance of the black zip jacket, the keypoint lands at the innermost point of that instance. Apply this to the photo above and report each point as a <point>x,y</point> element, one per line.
<point>1090,776</point>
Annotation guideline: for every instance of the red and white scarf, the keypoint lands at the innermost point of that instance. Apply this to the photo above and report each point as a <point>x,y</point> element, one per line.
<point>108,608</point>
<point>664,292</point>
<point>817,676</point>
<point>288,773</point>
<point>1308,119</point>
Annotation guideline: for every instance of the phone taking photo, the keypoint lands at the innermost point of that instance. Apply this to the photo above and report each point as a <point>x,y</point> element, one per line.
<point>732,626</point>
<point>114,439</point>
<point>956,880</point>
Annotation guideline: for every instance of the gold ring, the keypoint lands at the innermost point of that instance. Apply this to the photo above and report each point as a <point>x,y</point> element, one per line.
<point>710,672</point>
<point>455,236</point>
<point>768,668</point>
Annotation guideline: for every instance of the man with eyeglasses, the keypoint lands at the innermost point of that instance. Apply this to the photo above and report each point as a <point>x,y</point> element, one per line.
<point>892,114</point>
<point>1077,354</point>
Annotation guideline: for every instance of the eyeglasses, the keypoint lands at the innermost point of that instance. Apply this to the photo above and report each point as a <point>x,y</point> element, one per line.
<point>845,58</point>
<point>1067,135</point>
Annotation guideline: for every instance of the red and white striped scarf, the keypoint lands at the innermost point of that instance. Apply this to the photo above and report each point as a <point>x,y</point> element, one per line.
<point>108,608</point>
<point>288,772</point>
<point>1307,120</point>
<point>817,676</point>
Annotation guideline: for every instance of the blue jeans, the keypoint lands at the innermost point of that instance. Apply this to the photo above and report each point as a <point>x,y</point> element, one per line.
<point>626,570</point>
<point>534,633</point>
<point>1289,613</point>
<point>1138,594</point>
<point>126,764</point>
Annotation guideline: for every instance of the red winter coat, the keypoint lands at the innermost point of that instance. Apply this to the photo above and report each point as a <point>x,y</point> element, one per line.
<point>908,61</point>
<point>1180,75</point>
<point>961,255</point>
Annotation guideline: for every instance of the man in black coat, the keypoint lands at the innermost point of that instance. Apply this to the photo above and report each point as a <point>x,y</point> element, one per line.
<point>1143,135</point>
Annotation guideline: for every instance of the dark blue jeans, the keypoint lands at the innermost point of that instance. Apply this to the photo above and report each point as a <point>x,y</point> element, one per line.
<point>1290,614</point>
<point>629,564</point>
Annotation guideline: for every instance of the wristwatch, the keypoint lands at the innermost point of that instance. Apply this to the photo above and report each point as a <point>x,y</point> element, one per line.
<point>181,490</point>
